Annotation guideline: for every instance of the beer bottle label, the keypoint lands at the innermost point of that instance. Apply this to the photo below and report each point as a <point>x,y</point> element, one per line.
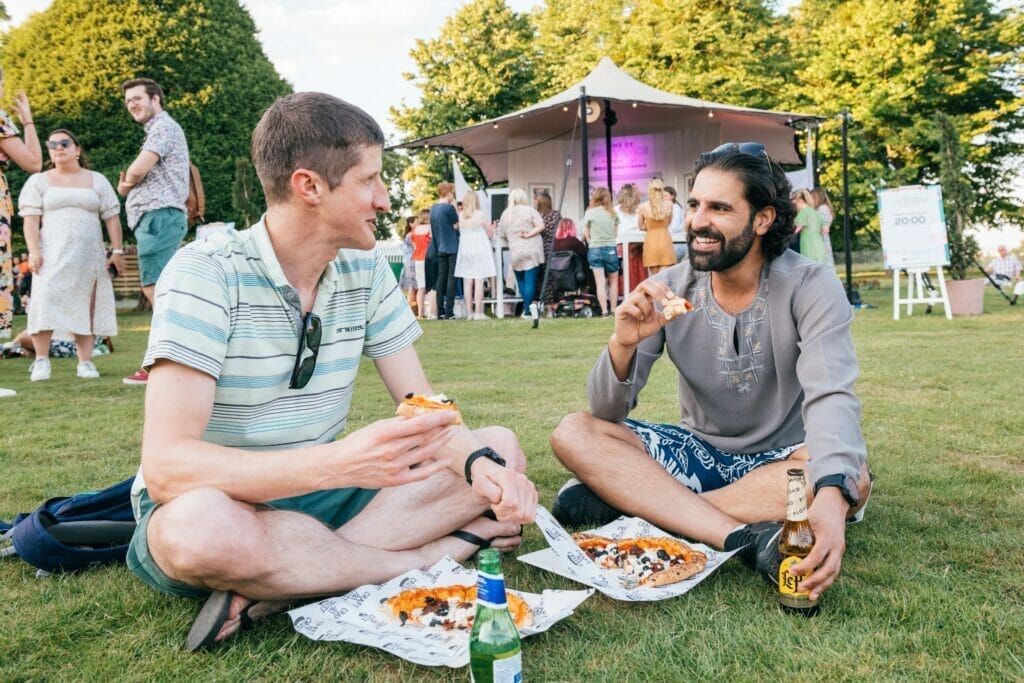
<point>789,584</point>
<point>796,499</point>
<point>490,590</point>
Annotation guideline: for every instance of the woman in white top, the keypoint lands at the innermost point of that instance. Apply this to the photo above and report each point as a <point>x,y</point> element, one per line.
<point>521,226</point>
<point>71,287</point>
<point>476,257</point>
<point>626,209</point>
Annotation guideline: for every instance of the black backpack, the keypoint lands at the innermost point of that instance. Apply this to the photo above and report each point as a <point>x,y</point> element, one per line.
<point>566,271</point>
<point>72,533</point>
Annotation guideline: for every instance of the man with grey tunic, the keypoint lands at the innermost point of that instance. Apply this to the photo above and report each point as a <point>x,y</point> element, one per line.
<point>766,371</point>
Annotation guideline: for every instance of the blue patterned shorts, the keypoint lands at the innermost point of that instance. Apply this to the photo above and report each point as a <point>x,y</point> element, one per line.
<point>694,462</point>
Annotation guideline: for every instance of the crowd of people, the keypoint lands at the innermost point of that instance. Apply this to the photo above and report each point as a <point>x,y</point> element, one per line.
<point>449,248</point>
<point>64,280</point>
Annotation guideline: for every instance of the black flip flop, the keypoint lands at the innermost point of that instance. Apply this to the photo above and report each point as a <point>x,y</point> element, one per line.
<point>469,537</point>
<point>212,617</point>
<point>481,543</point>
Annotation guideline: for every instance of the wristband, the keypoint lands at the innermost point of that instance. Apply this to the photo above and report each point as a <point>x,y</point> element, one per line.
<point>119,252</point>
<point>27,123</point>
<point>484,452</point>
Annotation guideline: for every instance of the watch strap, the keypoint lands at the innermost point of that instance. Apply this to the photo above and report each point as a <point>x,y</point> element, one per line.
<point>841,482</point>
<point>484,452</point>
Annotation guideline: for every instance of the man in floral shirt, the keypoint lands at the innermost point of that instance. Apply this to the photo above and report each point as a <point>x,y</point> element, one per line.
<point>156,185</point>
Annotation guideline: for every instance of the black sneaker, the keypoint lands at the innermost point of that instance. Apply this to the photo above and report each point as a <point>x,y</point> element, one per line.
<point>576,505</point>
<point>759,548</point>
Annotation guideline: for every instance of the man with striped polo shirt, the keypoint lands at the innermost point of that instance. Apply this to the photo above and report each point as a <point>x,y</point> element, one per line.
<point>248,497</point>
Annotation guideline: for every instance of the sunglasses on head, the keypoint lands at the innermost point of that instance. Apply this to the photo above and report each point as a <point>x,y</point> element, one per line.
<point>309,339</point>
<point>59,144</point>
<point>751,149</point>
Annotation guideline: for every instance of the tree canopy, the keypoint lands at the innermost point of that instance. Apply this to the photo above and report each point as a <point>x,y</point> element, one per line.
<point>72,58</point>
<point>482,64</point>
<point>892,63</point>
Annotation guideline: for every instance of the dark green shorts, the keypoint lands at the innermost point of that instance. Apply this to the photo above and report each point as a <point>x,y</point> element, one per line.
<point>334,508</point>
<point>158,234</point>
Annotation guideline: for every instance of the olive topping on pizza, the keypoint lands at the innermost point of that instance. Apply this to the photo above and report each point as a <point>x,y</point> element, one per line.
<point>448,607</point>
<point>650,560</point>
<point>418,404</point>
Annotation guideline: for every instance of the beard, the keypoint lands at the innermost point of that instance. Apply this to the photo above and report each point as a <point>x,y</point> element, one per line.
<point>732,252</point>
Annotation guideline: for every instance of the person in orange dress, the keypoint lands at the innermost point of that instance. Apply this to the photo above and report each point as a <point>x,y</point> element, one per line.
<point>653,217</point>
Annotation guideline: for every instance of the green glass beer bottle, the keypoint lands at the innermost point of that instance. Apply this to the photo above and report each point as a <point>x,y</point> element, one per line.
<point>495,652</point>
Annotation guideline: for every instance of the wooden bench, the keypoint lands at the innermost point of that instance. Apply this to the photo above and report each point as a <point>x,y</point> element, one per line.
<point>126,284</point>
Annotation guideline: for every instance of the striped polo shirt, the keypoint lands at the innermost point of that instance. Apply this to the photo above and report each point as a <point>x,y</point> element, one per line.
<point>224,307</point>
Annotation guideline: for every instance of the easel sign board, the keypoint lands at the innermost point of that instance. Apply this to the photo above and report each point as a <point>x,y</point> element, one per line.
<point>913,227</point>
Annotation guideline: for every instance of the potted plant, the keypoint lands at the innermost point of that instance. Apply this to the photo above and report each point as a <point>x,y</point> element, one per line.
<point>966,296</point>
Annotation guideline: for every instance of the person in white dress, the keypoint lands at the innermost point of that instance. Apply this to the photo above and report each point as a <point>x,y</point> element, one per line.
<point>476,255</point>
<point>71,287</point>
<point>626,209</point>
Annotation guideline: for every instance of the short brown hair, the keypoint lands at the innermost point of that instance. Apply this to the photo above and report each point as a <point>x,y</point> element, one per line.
<point>309,130</point>
<point>445,188</point>
<point>153,88</point>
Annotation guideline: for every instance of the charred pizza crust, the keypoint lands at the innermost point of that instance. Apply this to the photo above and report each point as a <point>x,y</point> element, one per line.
<point>448,607</point>
<point>676,307</point>
<point>653,561</point>
<point>418,404</point>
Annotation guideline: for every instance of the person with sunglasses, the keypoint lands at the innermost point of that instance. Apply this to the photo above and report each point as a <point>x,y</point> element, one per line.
<point>246,496</point>
<point>71,285</point>
<point>766,368</point>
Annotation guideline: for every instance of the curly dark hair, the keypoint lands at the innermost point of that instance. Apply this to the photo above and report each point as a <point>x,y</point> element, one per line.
<point>764,184</point>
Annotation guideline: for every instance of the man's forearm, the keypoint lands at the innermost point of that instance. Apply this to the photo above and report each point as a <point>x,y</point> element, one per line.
<point>171,469</point>
<point>621,357</point>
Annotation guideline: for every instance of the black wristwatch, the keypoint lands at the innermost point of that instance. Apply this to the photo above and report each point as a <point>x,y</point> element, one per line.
<point>484,452</point>
<point>846,484</point>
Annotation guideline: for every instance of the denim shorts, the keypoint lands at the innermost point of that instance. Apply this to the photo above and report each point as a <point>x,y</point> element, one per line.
<point>603,257</point>
<point>694,462</point>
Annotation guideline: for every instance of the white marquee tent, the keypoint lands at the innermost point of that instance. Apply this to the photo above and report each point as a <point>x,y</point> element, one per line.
<point>657,133</point>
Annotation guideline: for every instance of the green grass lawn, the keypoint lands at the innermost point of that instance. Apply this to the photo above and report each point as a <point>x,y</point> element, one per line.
<point>931,585</point>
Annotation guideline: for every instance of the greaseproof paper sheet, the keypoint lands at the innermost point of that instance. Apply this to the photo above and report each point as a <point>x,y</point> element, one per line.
<point>360,617</point>
<point>565,558</point>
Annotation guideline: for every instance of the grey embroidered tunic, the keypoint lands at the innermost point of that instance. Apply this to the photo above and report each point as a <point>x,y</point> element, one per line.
<point>780,372</point>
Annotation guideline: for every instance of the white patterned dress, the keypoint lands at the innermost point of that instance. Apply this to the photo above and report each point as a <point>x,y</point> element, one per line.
<point>476,255</point>
<point>74,259</point>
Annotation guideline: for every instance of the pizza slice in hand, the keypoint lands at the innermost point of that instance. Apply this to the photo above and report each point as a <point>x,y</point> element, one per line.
<point>676,307</point>
<point>418,404</point>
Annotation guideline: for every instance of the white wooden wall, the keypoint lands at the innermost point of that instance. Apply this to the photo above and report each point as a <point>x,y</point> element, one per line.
<point>674,155</point>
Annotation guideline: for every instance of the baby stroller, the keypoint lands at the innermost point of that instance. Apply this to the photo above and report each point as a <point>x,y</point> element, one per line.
<point>567,277</point>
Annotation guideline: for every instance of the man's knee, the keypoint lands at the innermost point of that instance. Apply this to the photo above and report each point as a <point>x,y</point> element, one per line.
<point>506,443</point>
<point>199,533</point>
<point>573,431</point>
